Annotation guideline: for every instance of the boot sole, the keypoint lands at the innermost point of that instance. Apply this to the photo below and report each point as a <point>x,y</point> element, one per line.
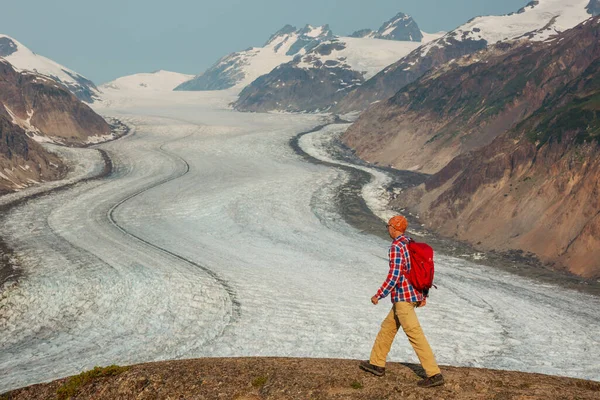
<point>367,369</point>
<point>432,385</point>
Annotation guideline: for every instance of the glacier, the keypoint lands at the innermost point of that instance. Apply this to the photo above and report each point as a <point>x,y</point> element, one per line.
<point>213,238</point>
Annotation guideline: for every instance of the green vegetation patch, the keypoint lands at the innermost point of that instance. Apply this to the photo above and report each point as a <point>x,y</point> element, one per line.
<point>580,115</point>
<point>259,381</point>
<point>73,384</point>
<point>356,385</point>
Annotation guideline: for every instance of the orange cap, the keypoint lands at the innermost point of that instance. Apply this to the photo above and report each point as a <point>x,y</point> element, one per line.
<point>399,223</point>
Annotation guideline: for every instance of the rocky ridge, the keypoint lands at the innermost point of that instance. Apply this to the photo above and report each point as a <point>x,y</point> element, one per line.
<point>239,69</point>
<point>23,59</point>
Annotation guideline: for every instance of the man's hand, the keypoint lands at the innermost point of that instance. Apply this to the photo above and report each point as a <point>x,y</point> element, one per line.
<point>375,299</point>
<point>422,303</point>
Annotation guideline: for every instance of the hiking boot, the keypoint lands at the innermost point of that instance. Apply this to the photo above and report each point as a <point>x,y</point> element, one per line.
<point>435,380</point>
<point>374,369</point>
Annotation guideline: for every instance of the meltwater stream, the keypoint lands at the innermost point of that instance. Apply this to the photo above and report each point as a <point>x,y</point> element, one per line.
<point>213,238</point>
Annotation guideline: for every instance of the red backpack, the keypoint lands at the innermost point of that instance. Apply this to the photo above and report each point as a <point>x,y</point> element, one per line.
<point>421,271</point>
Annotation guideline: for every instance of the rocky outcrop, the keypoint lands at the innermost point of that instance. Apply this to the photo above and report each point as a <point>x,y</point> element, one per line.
<point>46,109</point>
<point>536,186</point>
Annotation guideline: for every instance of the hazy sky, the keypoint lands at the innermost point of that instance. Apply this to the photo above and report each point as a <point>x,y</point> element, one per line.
<point>107,39</point>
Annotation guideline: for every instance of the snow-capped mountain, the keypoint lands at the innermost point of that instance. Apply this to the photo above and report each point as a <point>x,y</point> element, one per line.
<point>317,80</point>
<point>158,81</point>
<point>241,68</point>
<point>22,59</point>
<point>321,77</point>
<point>401,27</point>
<point>538,20</point>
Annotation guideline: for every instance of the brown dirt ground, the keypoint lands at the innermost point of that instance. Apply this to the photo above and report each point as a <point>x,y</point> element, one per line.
<point>284,378</point>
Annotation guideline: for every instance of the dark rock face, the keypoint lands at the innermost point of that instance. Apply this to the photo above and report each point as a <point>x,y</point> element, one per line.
<point>85,91</point>
<point>594,7</point>
<point>286,30</point>
<point>531,4</point>
<point>7,47</point>
<point>23,160</point>
<point>308,42</point>
<point>216,77</point>
<point>291,88</point>
<point>13,141</point>
<point>362,33</point>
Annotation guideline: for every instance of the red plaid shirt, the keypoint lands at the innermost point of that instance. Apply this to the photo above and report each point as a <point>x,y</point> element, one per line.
<point>396,283</point>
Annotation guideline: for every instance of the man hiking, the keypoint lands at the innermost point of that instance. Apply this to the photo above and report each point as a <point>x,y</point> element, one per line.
<point>405,298</point>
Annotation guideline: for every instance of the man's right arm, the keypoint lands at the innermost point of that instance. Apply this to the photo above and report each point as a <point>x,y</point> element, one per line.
<point>395,257</point>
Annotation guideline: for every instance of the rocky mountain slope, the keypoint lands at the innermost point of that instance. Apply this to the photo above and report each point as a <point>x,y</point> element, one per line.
<point>23,162</point>
<point>286,378</point>
<point>46,110</point>
<point>536,22</point>
<point>239,69</point>
<point>317,80</point>
<point>24,59</point>
<point>34,108</point>
<point>530,117</point>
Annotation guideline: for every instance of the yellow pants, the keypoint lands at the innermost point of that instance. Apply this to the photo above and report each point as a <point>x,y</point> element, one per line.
<point>403,314</point>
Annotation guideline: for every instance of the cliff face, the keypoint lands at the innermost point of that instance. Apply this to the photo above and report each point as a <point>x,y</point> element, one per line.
<point>23,161</point>
<point>44,108</point>
<point>466,104</point>
<point>535,187</point>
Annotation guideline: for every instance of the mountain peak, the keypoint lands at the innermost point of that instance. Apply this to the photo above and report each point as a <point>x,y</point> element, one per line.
<point>316,32</point>
<point>402,27</point>
<point>594,7</point>
<point>283,32</point>
<point>7,46</point>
